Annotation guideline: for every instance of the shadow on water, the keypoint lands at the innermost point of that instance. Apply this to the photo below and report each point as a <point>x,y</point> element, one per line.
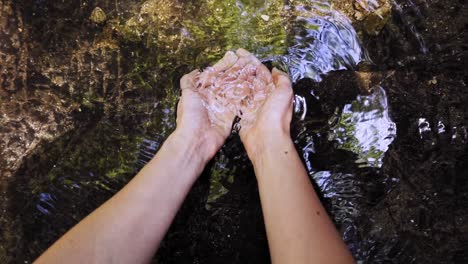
<point>385,141</point>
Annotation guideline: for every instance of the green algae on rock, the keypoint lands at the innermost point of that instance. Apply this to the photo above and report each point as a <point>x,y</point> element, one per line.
<point>172,28</point>
<point>244,25</point>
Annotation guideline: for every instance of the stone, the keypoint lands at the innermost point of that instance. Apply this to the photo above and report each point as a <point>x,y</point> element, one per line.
<point>368,16</point>
<point>98,16</point>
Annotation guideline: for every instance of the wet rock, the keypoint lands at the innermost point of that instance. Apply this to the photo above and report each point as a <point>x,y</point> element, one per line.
<point>98,16</point>
<point>31,114</point>
<point>368,16</point>
<point>367,80</point>
<point>13,52</point>
<point>21,110</point>
<point>28,122</point>
<point>375,20</point>
<point>168,26</point>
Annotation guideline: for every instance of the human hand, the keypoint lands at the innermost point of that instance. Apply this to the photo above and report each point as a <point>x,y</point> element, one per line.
<point>193,123</point>
<point>273,120</point>
<point>237,85</point>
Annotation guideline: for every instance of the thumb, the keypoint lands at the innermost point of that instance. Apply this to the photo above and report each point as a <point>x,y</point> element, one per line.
<point>280,78</point>
<point>282,83</point>
<point>188,81</point>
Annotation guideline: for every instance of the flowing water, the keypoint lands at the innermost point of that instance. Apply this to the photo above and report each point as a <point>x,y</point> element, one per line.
<point>89,90</point>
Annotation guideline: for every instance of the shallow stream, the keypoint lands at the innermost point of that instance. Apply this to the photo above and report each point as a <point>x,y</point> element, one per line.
<point>89,90</point>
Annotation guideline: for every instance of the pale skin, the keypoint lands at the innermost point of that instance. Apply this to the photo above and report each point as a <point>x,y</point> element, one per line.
<point>130,226</point>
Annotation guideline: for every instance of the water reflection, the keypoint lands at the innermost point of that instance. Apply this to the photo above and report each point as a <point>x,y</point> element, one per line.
<point>300,106</point>
<point>409,23</point>
<point>309,38</point>
<point>424,127</point>
<point>46,203</point>
<point>365,128</point>
<point>322,40</point>
<point>344,193</point>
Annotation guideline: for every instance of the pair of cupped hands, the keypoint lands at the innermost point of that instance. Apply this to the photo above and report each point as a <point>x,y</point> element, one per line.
<point>272,119</point>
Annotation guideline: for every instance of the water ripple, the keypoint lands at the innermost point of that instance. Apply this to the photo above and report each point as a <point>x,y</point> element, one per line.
<point>324,41</point>
<point>365,128</point>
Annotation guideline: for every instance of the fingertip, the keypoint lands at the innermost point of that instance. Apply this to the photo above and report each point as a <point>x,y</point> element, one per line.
<point>242,52</point>
<point>194,72</point>
<point>278,72</point>
<point>191,74</point>
<point>229,59</point>
<point>280,78</point>
<point>188,80</point>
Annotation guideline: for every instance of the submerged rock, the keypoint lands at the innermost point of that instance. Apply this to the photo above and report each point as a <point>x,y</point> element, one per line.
<point>369,16</point>
<point>98,16</point>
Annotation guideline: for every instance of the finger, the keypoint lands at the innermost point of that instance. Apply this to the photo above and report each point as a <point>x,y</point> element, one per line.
<point>245,58</point>
<point>264,74</point>
<point>243,53</point>
<point>281,80</point>
<point>227,118</point>
<point>229,59</point>
<point>283,86</point>
<point>188,80</point>
<point>187,93</point>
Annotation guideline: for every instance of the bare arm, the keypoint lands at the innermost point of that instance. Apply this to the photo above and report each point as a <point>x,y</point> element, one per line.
<point>298,227</point>
<point>130,226</point>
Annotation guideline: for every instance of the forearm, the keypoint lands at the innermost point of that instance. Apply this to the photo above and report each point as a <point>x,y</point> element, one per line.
<point>129,227</point>
<point>298,227</point>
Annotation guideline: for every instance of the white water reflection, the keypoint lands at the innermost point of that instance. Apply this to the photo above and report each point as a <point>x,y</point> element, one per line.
<point>343,191</point>
<point>300,106</point>
<point>365,128</point>
<point>324,40</point>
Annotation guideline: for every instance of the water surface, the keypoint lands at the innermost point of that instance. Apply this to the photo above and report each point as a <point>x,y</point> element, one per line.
<point>380,120</point>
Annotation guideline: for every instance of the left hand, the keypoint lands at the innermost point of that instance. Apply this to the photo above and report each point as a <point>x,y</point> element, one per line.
<point>193,123</point>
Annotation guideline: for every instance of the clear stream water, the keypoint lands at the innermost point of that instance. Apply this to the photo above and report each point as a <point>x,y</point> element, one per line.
<point>380,121</point>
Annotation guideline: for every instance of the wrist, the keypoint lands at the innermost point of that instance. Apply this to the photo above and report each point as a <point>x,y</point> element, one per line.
<point>190,144</point>
<point>257,147</point>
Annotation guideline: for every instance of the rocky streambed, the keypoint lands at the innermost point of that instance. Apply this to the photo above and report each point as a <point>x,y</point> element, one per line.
<point>86,85</point>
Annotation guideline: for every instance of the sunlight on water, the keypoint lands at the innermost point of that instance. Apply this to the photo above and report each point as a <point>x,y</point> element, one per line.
<point>46,203</point>
<point>119,71</point>
<point>323,40</point>
<point>344,191</point>
<point>365,128</point>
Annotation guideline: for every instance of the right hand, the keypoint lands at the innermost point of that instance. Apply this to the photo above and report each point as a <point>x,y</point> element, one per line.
<point>273,119</point>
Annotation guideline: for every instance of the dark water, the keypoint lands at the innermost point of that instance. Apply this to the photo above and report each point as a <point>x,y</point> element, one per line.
<point>381,120</point>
